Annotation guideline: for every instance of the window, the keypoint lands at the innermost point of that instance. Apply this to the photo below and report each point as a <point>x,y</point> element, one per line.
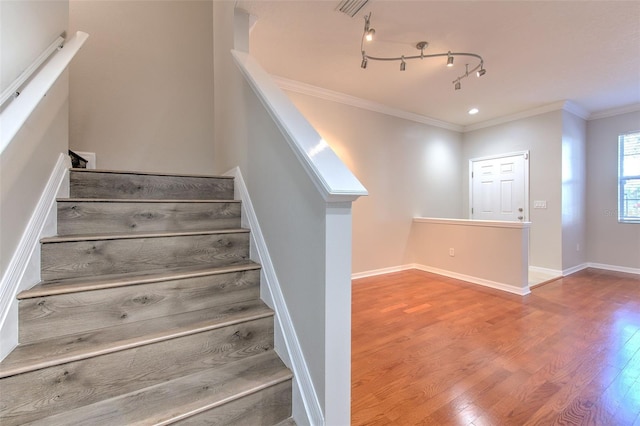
<point>629,178</point>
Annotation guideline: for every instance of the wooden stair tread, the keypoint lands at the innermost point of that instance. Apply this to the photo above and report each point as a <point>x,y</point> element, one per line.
<point>183,397</point>
<point>72,285</point>
<point>141,200</point>
<point>128,172</point>
<point>73,347</point>
<point>133,235</point>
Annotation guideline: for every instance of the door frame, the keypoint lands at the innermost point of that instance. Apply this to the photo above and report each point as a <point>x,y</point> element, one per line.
<point>525,154</point>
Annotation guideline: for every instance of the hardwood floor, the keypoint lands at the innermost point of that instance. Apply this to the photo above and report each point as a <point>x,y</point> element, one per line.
<point>436,351</point>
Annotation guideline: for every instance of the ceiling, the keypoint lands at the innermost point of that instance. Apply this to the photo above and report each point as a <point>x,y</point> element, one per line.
<point>536,53</point>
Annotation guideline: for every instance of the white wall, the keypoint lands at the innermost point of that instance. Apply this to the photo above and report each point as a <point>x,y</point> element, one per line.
<point>142,87</point>
<point>490,253</point>
<point>26,29</point>
<point>608,242</point>
<point>574,191</point>
<point>542,136</point>
<point>410,169</point>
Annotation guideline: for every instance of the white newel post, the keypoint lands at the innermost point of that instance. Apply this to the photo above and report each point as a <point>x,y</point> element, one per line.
<point>338,315</point>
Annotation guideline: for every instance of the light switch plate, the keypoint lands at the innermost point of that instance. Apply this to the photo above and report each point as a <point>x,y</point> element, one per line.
<point>540,204</point>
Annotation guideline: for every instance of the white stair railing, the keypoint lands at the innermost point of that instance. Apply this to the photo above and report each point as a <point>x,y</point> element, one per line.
<point>55,58</point>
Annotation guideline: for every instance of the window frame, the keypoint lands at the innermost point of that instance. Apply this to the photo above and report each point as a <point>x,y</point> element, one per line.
<point>622,179</point>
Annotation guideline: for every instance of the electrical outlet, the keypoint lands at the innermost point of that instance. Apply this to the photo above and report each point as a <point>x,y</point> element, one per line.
<point>452,252</point>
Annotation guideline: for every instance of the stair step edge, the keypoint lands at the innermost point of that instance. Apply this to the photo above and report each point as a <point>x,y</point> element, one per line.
<point>128,172</point>
<point>49,360</point>
<point>99,412</point>
<point>143,200</point>
<point>134,235</point>
<point>75,285</point>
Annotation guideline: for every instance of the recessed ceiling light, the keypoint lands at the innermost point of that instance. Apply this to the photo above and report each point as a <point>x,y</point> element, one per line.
<point>473,111</point>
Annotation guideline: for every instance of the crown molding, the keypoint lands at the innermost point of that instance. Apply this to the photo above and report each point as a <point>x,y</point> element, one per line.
<point>576,109</point>
<point>330,95</point>
<point>556,106</point>
<point>614,111</point>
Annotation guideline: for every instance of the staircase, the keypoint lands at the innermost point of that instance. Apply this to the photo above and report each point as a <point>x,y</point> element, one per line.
<point>148,312</point>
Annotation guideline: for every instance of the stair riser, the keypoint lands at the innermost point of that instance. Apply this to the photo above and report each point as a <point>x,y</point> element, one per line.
<point>64,314</point>
<point>140,186</point>
<point>30,396</point>
<point>114,217</point>
<point>264,408</point>
<point>141,254</point>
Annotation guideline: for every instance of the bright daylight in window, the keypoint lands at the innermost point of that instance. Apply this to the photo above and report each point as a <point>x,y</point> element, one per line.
<point>629,178</point>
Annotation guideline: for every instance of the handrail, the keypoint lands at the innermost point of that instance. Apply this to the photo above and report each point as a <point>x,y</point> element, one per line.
<point>14,88</point>
<point>16,113</point>
<point>329,174</point>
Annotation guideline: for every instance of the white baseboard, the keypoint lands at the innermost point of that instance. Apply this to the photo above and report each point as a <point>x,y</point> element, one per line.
<point>546,271</point>
<point>474,280</point>
<point>293,356</point>
<point>574,269</point>
<point>381,271</point>
<point>614,268</point>
<point>23,270</point>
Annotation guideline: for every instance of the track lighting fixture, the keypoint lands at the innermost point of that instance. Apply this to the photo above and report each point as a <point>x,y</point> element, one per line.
<point>421,46</point>
<point>368,32</point>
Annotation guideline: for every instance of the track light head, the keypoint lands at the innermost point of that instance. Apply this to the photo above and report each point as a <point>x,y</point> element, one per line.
<point>369,35</point>
<point>449,60</point>
<point>364,63</point>
<point>403,65</point>
<point>481,72</point>
<point>457,85</point>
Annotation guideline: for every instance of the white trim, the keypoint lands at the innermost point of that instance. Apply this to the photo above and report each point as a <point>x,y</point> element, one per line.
<point>556,106</point>
<point>330,95</point>
<point>615,268</point>
<point>300,370</point>
<point>614,111</point>
<point>382,271</point>
<point>468,278</point>
<point>18,82</point>
<point>474,280</point>
<point>28,247</point>
<point>546,271</point>
<point>574,269</point>
<point>471,222</point>
<point>576,110</point>
<point>16,113</point>
<point>331,177</point>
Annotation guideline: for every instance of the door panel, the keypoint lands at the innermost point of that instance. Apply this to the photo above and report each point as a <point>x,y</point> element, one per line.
<point>498,188</point>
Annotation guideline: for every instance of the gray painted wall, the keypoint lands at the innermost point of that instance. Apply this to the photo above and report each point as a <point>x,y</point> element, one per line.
<point>141,93</point>
<point>574,191</point>
<point>608,242</point>
<point>410,169</point>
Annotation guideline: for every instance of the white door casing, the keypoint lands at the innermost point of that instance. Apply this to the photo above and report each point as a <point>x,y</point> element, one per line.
<point>499,187</point>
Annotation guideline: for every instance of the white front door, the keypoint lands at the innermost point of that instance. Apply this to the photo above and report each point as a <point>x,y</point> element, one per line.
<point>498,188</point>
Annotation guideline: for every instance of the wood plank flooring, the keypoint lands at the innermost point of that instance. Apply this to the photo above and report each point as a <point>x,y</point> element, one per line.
<point>432,350</point>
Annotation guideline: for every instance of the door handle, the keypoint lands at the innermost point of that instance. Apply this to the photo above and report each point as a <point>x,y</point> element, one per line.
<point>520,209</point>
<point>520,217</point>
